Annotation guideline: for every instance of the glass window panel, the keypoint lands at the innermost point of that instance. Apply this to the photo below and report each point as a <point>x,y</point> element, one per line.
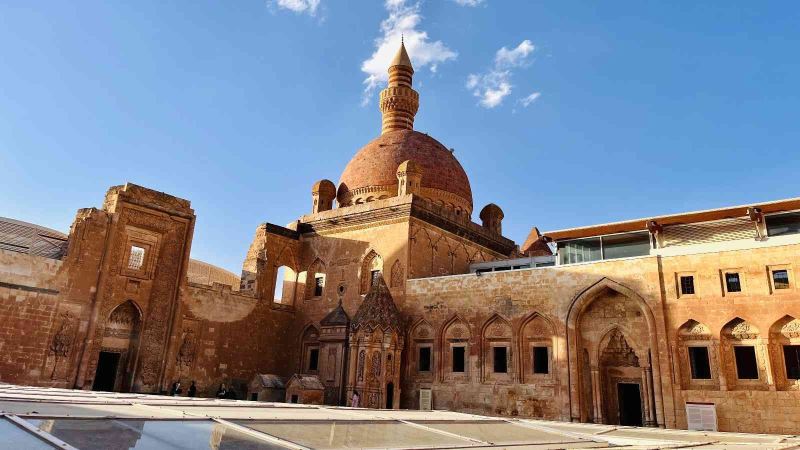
<point>581,250</point>
<point>783,224</point>
<point>733,282</point>
<point>498,433</point>
<point>780,279</point>
<point>746,366</point>
<point>687,285</point>
<point>626,245</point>
<point>111,434</point>
<point>354,434</point>
<point>791,356</point>
<point>698,361</point>
<point>12,436</point>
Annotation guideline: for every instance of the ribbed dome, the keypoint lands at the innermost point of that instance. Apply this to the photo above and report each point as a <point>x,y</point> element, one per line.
<point>372,173</point>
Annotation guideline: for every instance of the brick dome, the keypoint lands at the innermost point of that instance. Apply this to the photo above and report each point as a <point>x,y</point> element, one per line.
<point>372,173</point>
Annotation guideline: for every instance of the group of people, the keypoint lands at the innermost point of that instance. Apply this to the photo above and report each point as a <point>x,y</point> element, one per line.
<point>222,392</point>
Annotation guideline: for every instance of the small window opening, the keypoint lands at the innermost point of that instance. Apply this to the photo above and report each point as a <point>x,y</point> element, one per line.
<point>458,359</point>
<point>424,363</point>
<point>698,361</point>
<point>687,285</point>
<point>313,359</point>
<point>746,365</point>
<point>541,360</point>
<point>136,259</point>
<point>374,275</point>
<point>791,356</point>
<point>319,283</point>
<point>500,359</point>
<point>780,279</point>
<point>732,282</point>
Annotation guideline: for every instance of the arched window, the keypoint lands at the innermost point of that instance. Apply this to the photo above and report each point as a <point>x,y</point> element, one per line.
<point>456,349</point>
<point>784,338</point>
<point>745,355</point>
<point>286,281</point>
<point>371,269</point>
<point>309,362</point>
<point>315,280</point>
<point>496,347</point>
<point>536,348</point>
<point>698,356</point>
<point>421,358</point>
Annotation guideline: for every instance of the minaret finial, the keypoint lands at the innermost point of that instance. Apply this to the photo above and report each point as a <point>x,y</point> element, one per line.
<point>399,101</point>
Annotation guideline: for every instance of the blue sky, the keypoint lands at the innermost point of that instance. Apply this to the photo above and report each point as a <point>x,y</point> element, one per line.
<point>633,108</point>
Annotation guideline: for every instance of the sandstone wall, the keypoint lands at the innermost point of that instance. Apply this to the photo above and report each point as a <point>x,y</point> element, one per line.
<point>229,337</point>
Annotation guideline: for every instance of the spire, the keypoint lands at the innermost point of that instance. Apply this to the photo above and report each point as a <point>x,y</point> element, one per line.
<point>399,102</point>
<point>401,57</point>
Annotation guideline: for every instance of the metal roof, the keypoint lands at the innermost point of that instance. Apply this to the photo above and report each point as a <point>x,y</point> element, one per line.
<point>24,237</point>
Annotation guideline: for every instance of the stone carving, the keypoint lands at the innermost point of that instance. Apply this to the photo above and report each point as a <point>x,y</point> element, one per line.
<point>376,365</point>
<point>124,315</point>
<point>187,351</point>
<point>62,341</point>
<point>791,330</point>
<point>331,365</point>
<point>372,400</point>
<point>743,330</point>
<point>618,352</point>
<point>362,356</point>
<point>398,274</point>
<point>389,367</point>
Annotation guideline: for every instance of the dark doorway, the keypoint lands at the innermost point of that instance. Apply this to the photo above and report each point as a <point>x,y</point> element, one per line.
<point>630,404</point>
<point>390,396</point>
<point>106,376</point>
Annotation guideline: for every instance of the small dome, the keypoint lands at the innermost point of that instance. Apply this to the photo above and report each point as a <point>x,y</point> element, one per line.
<point>491,211</point>
<point>324,187</point>
<point>373,170</point>
<point>409,166</point>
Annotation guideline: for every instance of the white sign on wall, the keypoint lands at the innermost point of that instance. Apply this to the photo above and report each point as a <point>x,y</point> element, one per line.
<point>425,399</point>
<point>701,416</point>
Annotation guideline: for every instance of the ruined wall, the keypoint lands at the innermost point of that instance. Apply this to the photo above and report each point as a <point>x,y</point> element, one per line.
<point>228,337</point>
<point>30,289</point>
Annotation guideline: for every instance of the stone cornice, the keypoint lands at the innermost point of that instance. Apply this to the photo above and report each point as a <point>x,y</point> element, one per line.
<point>396,209</point>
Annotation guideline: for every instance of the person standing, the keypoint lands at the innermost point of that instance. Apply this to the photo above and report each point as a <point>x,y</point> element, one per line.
<point>355,399</point>
<point>176,389</point>
<point>192,389</point>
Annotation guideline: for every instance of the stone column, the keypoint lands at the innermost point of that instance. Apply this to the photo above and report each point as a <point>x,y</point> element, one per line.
<point>647,380</point>
<point>597,400</point>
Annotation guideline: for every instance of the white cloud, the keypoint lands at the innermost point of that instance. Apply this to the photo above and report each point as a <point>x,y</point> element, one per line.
<point>495,85</point>
<point>513,58</point>
<point>404,20</point>
<point>299,6</point>
<point>468,2</point>
<point>529,99</point>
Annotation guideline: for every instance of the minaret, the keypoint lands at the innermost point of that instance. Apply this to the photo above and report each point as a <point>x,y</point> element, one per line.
<point>399,102</point>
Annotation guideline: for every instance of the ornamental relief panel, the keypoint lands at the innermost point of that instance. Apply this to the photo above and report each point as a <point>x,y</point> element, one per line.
<point>163,293</point>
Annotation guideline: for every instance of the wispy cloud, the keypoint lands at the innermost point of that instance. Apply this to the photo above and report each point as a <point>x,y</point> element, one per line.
<point>469,2</point>
<point>526,101</point>
<point>494,85</point>
<point>404,20</point>
<point>309,7</point>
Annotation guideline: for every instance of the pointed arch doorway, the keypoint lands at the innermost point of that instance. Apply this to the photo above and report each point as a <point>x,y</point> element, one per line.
<point>116,363</point>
